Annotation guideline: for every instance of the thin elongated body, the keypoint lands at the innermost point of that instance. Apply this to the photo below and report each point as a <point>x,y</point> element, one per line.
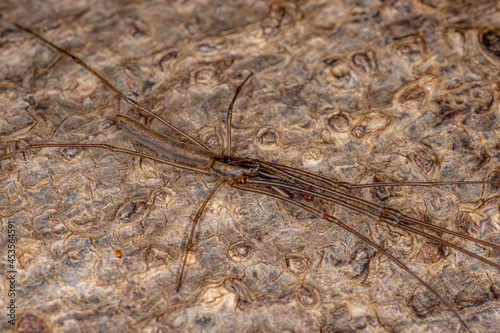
<point>265,178</point>
<point>171,148</point>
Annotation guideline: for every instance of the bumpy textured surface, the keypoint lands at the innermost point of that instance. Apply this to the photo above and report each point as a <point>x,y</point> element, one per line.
<point>359,91</point>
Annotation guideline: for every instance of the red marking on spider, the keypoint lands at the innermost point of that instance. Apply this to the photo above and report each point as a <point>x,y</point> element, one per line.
<point>308,197</point>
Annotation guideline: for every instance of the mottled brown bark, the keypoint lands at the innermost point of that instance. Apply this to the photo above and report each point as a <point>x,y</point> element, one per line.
<point>359,91</point>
